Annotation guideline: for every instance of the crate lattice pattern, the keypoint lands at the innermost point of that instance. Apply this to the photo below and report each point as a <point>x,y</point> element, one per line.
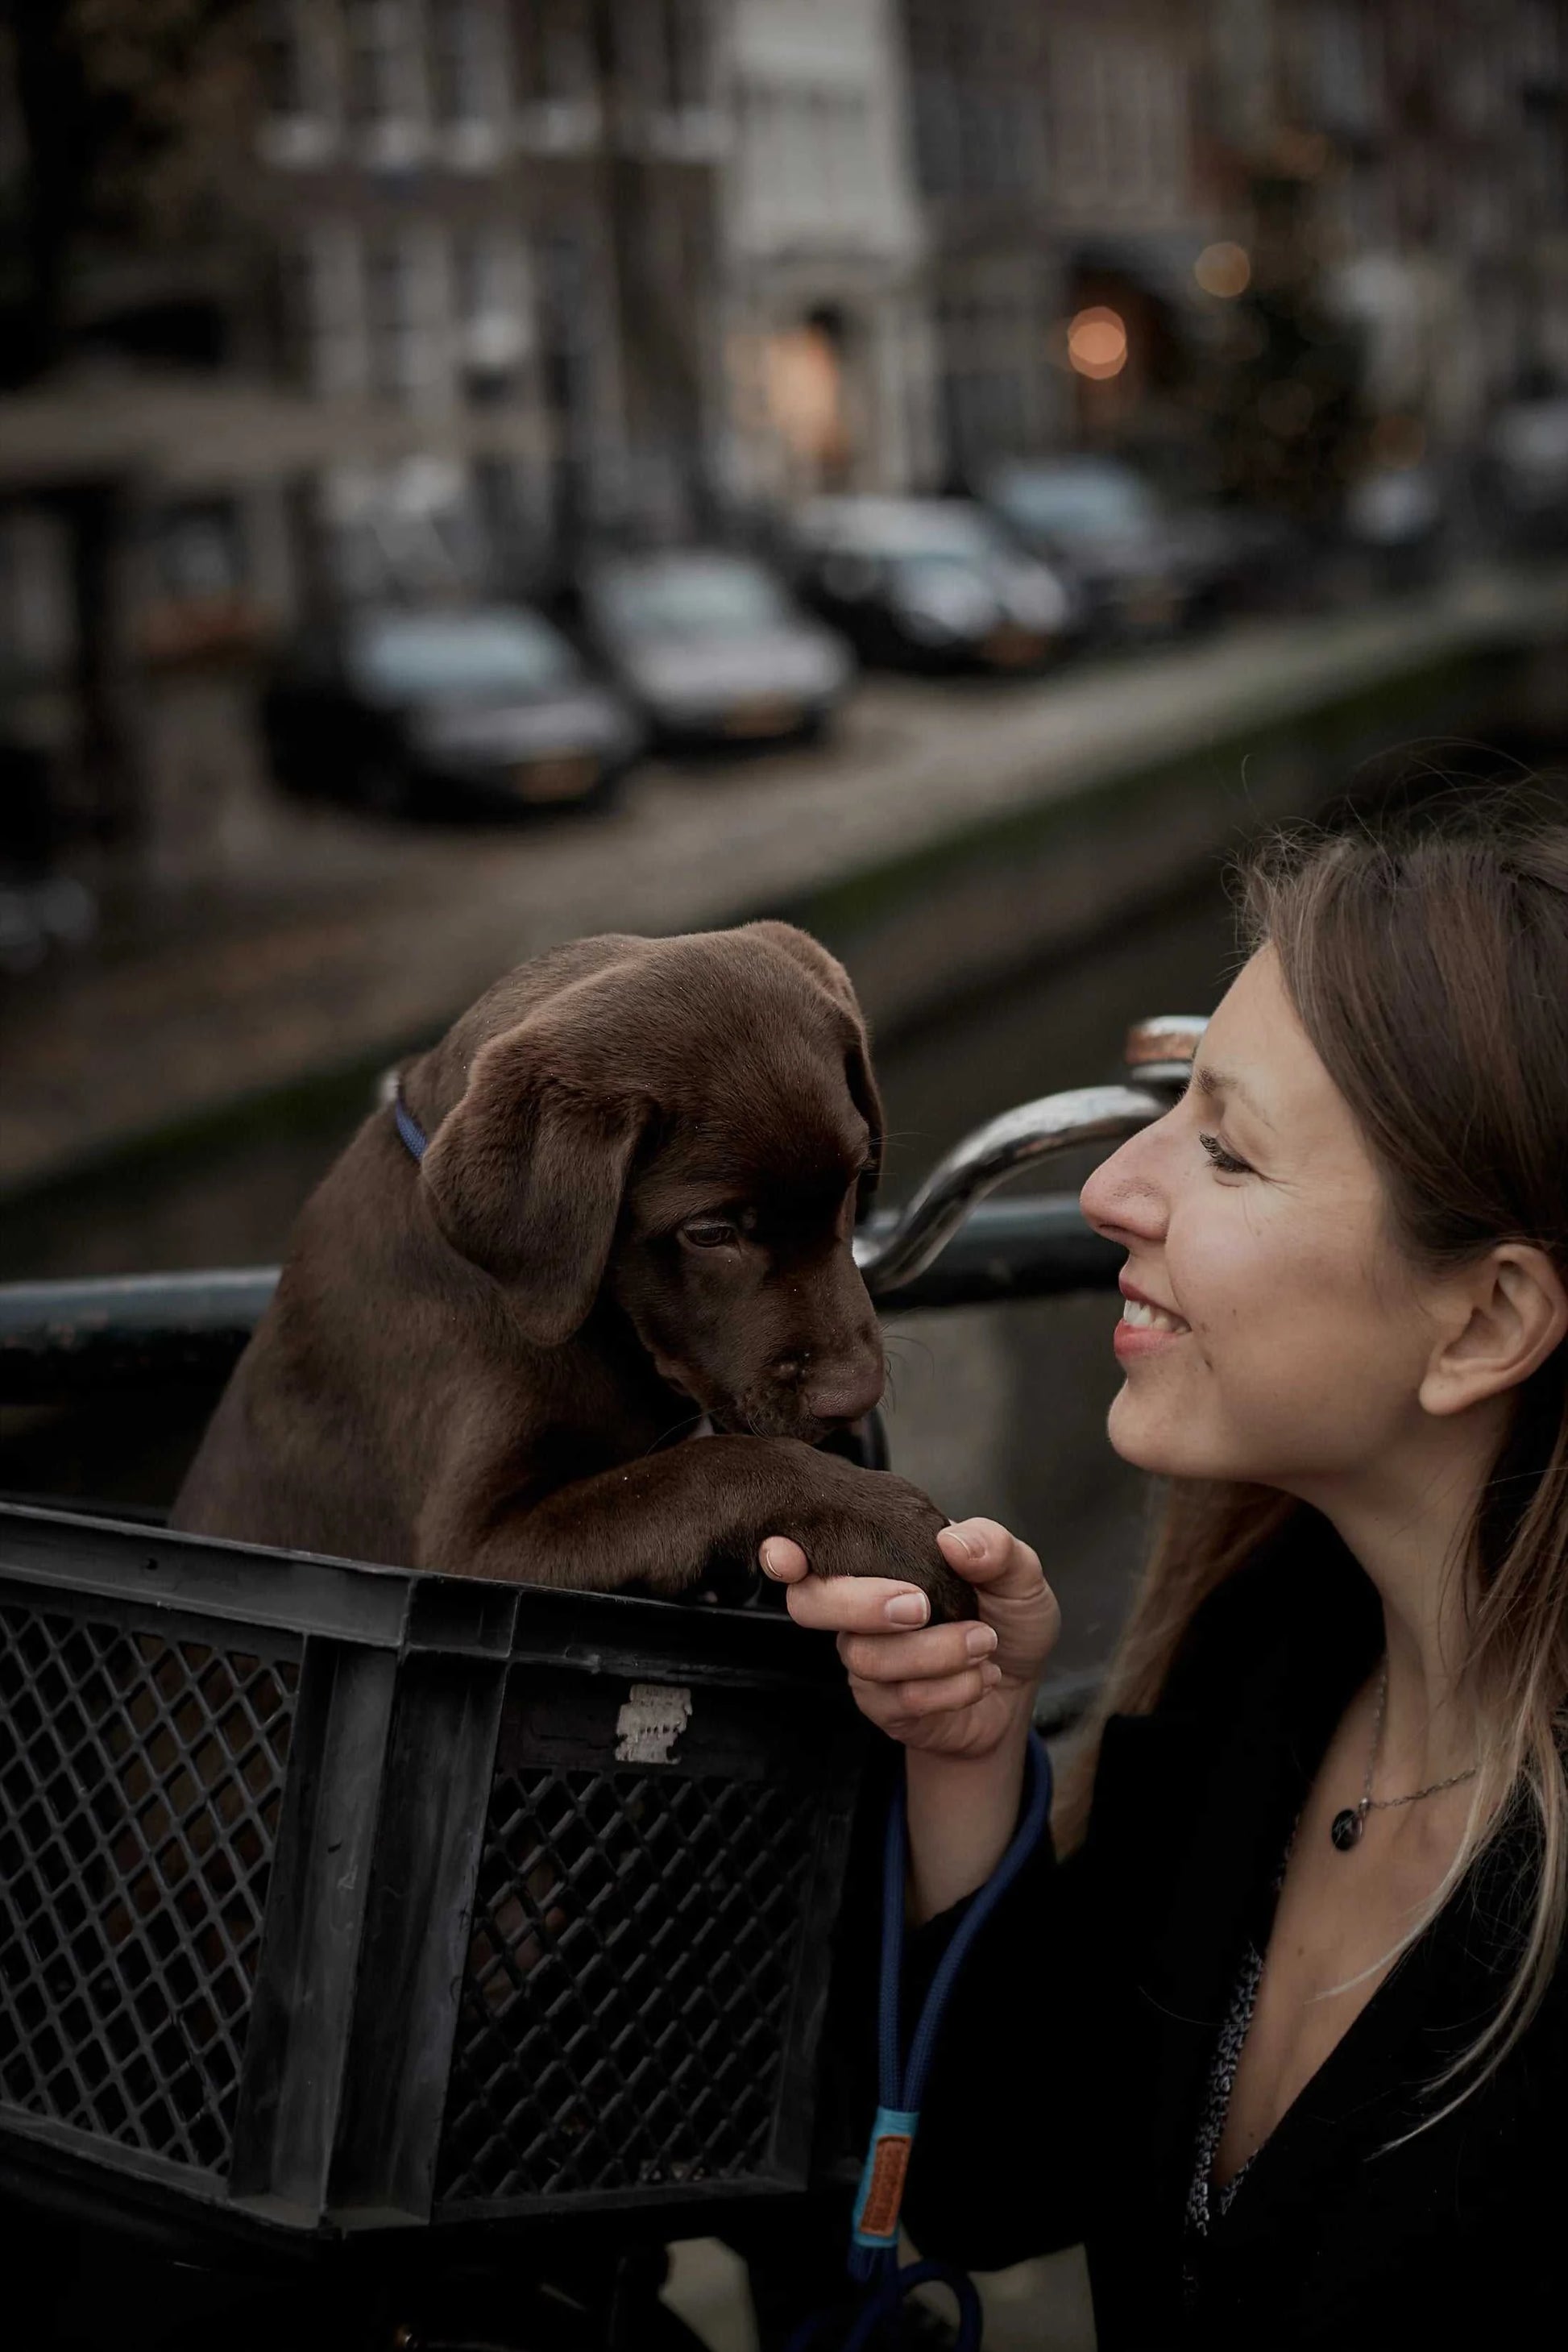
<point>627,1999</point>
<point>141,1779</point>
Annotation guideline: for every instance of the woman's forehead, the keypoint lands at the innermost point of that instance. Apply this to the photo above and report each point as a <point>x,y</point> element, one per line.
<point>1257,1055</point>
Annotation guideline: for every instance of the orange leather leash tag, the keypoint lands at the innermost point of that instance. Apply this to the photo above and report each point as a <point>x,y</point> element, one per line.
<point>885,2191</point>
<point>881,2192</point>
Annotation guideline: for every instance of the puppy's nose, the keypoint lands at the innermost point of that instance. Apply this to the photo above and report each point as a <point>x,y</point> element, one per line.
<point>844,1394</point>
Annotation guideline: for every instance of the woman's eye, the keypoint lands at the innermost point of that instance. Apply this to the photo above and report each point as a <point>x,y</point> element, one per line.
<point>709,1233</point>
<point>1225,1162</point>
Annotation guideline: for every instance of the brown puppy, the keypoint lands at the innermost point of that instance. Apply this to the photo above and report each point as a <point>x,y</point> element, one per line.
<point>644,1166</point>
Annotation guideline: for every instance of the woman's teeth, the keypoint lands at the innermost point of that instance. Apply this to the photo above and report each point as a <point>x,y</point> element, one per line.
<point>1144,1318</point>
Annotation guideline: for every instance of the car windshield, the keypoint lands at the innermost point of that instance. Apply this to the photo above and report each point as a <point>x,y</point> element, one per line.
<point>1075,502</point>
<point>689,596</point>
<point>940,531</point>
<point>459,656</point>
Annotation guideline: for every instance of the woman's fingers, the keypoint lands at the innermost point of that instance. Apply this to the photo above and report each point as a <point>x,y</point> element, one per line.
<point>938,1650</point>
<point>915,1702</point>
<point>856,1604</point>
<point>989,1556</point>
<point>783,1560</point>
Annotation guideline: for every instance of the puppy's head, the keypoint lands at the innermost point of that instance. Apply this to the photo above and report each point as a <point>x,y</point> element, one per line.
<point>685,1128</point>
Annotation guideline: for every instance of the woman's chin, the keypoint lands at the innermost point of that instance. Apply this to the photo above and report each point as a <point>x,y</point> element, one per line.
<point>1152,1440</point>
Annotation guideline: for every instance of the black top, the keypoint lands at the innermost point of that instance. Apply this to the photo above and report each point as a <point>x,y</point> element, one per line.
<point>1066,2096</point>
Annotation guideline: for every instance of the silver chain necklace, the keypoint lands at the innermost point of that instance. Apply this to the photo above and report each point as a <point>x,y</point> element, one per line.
<point>1346,1827</point>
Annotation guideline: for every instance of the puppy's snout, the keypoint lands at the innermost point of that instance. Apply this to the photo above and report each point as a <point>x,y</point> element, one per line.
<point>841,1392</point>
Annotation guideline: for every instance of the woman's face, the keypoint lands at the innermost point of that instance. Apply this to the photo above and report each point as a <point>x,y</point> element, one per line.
<point>1288,1338</point>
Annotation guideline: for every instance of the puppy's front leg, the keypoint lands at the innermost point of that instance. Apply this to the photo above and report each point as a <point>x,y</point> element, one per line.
<point>667,1522</point>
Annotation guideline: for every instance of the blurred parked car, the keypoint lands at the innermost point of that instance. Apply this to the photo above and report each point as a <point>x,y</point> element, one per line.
<point>1146,569</point>
<point>708,645</point>
<point>931,581</point>
<point>1523,474</point>
<point>436,711</point>
<point>41,907</point>
<point>1394,517</point>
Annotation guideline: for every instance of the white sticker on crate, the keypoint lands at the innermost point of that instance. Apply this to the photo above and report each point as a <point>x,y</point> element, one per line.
<point>650,1722</point>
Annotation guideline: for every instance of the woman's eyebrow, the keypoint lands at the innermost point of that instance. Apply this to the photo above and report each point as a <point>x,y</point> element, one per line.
<point>1213,1082</point>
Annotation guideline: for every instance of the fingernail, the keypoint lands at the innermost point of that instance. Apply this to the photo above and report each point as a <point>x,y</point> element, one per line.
<point>766,1557</point>
<point>980,1640</point>
<point>967,1544</point>
<point>907,1609</point>
<point>990,1675</point>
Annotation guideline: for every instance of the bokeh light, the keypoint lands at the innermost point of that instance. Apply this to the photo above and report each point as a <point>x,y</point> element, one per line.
<point>1097,342</point>
<point>1224,270</point>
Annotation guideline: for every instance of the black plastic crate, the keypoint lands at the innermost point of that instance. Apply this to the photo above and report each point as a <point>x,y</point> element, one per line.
<point>337,1897</point>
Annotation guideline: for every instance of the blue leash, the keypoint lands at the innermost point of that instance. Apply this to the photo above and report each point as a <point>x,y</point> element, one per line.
<point>874,2247</point>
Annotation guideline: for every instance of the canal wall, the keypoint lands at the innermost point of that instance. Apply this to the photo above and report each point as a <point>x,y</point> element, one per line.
<point>955,834</point>
<point>1126,824</point>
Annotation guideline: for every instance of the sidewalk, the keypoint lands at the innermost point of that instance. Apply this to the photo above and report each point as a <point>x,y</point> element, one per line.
<point>374,937</point>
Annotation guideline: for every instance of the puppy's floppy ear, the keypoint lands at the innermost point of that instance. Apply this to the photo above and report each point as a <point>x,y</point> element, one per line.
<point>868,1103</point>
<point>525,1178</point>
<point>829,973</point>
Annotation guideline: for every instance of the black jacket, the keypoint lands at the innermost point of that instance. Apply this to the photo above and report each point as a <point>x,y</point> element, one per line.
<point>1065,2099</point>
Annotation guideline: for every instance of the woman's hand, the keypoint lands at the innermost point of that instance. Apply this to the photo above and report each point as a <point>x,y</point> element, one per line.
<point>953,1690</point>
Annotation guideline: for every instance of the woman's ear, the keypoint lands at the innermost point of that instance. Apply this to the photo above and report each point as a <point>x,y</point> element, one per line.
<point>525,1177</point>
<point>1503,1317</point>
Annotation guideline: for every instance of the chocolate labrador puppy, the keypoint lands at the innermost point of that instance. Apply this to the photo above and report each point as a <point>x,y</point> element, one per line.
<point>645,1162</point>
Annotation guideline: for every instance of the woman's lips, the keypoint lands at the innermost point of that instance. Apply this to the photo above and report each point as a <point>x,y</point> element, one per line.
<point>1145,1326</point>
<point>1130,1339</point>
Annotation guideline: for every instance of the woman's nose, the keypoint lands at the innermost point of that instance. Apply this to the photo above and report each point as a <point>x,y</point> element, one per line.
<point>1123,1199</point>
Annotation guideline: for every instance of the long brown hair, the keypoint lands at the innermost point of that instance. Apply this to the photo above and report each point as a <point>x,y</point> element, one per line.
<point>1428,965</point>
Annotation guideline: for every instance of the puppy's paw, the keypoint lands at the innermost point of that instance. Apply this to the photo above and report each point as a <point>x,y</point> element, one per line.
<point>872,1523</point>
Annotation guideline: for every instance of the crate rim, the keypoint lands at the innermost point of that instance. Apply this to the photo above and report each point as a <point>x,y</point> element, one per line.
<point>405,1611</point>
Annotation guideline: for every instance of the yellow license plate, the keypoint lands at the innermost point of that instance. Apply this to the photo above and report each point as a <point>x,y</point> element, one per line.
<point>762,717</point>
<point>564,778</point>
<point>1009,647</point>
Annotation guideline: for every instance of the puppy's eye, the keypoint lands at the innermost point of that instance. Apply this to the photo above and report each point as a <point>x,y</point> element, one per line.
<point>710,1232</point>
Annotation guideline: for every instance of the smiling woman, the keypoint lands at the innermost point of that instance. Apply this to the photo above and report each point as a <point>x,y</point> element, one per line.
<point>1289,1993</point>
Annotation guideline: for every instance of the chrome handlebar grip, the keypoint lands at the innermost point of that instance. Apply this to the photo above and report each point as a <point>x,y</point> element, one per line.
<point>1160,1053</point>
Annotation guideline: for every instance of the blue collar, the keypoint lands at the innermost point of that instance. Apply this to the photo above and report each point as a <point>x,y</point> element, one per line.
<point>409,1127</point>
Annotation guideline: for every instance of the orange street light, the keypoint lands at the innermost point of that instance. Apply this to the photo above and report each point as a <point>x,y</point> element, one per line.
<point>1224,270</point>
<point>1096,343</point>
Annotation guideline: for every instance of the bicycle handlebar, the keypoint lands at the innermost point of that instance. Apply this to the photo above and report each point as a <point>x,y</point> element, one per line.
<point>948,1247</point>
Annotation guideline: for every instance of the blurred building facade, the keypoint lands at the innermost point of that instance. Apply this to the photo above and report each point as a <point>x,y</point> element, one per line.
<point>501,221</point>
<point>830,366</point>
<point>1060,168</point>
<point>463,282</point>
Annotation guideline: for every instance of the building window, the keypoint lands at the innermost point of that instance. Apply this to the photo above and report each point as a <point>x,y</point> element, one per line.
<point>384,84</point>
<point>1344,95</point>
<point>467,69</point>
<point>329,311</point>
<point>294,69</point>
<point>492,309</point>
<point>407,318</point>
<point>554,51</point>
<point>1119,113</point>
<point>680,54</point>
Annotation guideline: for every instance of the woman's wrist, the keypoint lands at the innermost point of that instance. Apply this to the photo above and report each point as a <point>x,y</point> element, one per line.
<point>962,1809</point>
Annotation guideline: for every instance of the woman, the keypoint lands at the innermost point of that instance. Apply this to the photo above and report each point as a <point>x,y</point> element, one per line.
<point>1280,2029</point>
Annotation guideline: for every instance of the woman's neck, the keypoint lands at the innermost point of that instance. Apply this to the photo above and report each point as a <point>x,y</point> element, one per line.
<point>1410,1531</point>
